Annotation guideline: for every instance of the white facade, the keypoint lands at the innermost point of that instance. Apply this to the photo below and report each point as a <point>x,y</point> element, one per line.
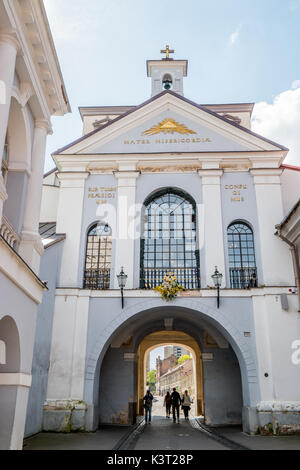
<point>31,91</point>
<point>125,157</point>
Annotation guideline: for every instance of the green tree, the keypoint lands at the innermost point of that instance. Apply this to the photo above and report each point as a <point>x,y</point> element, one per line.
<point>183,358</point>
<point>151,379</point>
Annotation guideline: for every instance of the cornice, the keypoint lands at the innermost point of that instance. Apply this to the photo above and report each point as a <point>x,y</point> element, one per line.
<point>16,269</point>
<point>38,53</point>
<point>127,174</point>
<point>266,171</point>
<point>163,64</point>
<point>72,175</point>
<point>158,162</point>
<point>170,102</point>
<point>210,173</point>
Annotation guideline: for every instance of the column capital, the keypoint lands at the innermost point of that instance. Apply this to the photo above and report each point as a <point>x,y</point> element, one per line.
<point>266,171</point>
<point>43,124</point>
<point>72,175</point>
<point>9,37</point>
<point>211,177</point>
<point>127,174</point>
<point>266,175</point>
<point>210,173</point>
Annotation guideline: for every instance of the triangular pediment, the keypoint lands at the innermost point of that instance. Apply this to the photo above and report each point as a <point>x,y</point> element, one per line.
<point>169,123</point>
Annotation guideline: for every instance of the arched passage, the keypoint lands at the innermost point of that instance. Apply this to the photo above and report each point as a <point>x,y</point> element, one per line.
<point>9,336</point>
<point>175,338</point>
<point>19,142</point>
<point>144,318</point>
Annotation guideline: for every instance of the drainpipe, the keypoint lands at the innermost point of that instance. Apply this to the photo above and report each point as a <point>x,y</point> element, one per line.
<point>295,257</point>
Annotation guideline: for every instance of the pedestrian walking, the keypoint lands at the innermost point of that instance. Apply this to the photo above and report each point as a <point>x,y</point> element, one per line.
<point>176,402</point>
<point>186,404</point>
<point>148,400</point>
<point>167,404</point>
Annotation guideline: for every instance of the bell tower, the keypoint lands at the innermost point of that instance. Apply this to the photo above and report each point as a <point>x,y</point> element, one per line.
<point>167,74</point>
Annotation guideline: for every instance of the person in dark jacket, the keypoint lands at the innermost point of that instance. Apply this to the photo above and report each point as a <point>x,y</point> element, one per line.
<point>168,404</point>
<point>148,399</point>
<point>176,402</point>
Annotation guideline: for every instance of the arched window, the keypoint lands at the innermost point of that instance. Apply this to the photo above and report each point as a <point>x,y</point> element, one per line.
<point>169,242</point>
<point>98,258</point>
<point>241,252</point>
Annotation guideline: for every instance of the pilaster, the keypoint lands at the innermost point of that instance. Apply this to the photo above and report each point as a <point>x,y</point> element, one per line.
<point>31,247</point>
<point>213,224</point>
<point>275,256</point>
<point>69,222</point>
<point>125,225</point>
<point>8,53</point>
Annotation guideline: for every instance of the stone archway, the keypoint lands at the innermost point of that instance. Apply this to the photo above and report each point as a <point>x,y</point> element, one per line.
<point>197,309</point>
<point>10,377</point>
<point>162,338</point>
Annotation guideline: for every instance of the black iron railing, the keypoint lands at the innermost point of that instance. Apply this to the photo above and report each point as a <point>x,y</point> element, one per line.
<point>243,278</point>
<point>189,278</point>
<point>96,279</point>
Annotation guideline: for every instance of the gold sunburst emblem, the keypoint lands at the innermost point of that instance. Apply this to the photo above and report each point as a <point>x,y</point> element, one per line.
<point>169,126</point>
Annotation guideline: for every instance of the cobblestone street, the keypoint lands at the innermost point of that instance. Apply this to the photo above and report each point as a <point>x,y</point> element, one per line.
<point>162,435</point>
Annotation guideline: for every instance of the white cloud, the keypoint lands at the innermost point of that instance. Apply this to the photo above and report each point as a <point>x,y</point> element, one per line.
<point>295,84</point>
<point>235,35</point>
<point>280,122</point>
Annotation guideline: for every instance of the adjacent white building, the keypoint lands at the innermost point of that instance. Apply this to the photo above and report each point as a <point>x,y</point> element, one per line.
<point>31,91</point>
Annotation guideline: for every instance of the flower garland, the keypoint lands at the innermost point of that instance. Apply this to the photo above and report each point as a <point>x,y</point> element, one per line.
<point>169,288</point>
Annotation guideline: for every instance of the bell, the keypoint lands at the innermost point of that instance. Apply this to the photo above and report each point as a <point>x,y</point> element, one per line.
<point>167,84</point>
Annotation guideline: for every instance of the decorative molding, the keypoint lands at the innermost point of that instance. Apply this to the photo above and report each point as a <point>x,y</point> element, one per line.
<point>170,103</point>
<point>32,38</point>
<point>194,294</point>
<point>15,380</point>
<point>19,273</point>
<point>34,239</point>
<point>9,234</point>
<point>25,93</point>
<point>169,324</point>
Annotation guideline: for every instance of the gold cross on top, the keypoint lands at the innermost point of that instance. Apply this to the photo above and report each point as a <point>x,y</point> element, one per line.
<point>167,51</point>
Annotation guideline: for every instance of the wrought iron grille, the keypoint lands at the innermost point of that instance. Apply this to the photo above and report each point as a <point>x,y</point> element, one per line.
<point>189,278</point>
<point>97,279</point>
<point>169,242</point>
<point>243,278</point>
<point>98,258</point>
<point>241,252</point>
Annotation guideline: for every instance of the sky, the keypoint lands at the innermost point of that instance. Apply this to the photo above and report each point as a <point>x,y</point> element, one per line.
<point>238,51</point>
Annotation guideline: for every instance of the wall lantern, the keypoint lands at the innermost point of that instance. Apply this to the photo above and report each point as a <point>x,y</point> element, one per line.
<point>217,278</point>
<point>122,279</point>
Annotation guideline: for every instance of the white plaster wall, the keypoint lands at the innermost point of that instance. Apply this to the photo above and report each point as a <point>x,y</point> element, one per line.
<point>69,222</point>
<point>276,331</point>
<point>49,207</point>
<point>276,257</point>
<point>68,347</point>
<point>61,358</point>
<point>290,184</point>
